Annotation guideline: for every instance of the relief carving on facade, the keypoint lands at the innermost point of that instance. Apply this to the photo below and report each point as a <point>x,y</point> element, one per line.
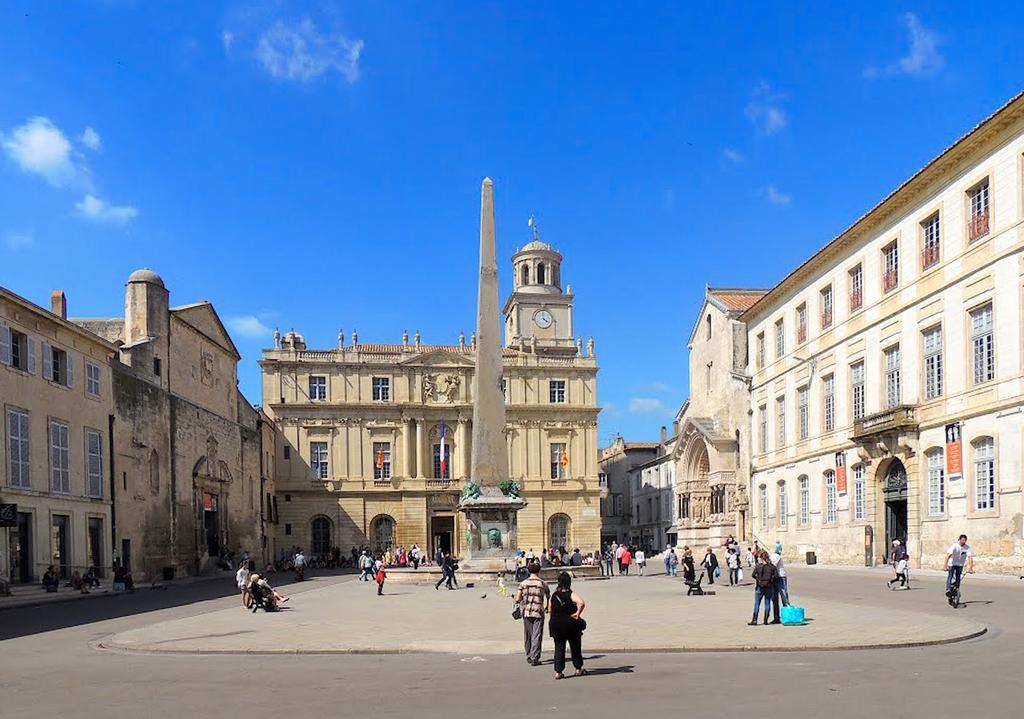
<point>206,367</point>
<point>441,389</point>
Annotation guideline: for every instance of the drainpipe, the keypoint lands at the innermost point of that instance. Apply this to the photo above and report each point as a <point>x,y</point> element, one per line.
<point>113,489</point>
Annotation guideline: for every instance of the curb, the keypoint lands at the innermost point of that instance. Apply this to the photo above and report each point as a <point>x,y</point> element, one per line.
<point>104,646</point>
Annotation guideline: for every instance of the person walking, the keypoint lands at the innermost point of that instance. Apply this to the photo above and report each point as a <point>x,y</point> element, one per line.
<point>710,564</point>
<point>414,556</point>
<point>365,566</point>
<point>782,583</point>
<point>533,597</point>
<point>733,562</point>
<point>619,551</point>
<point>380,577</point>
<point>566,625</point>
<point>625,561</point>
<point>689,571</point>
<point>764,587</point>
<point>641,561</point>
<point>446,571</point>
<point>958,556</point>
<point>242,581</point>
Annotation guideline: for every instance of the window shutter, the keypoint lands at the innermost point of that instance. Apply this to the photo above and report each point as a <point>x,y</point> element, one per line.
<point>47,361</point>
<point>70,372</point>
<point>5,344</point>
<point>31,343</point>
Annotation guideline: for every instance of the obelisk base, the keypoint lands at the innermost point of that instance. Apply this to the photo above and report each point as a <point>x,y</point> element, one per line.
<point>491,530</point>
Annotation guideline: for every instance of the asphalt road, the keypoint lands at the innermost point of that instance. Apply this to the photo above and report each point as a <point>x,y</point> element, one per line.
<point>50,669</point>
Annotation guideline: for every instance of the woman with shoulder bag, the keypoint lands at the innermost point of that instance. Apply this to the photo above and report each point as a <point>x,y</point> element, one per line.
<point>566,625</point>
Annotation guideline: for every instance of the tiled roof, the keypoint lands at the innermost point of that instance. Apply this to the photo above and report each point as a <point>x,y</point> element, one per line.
<point>737,299</point>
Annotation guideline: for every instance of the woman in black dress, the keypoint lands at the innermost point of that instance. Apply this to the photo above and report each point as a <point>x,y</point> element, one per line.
<point>566,625</point>
<point>689,572</point>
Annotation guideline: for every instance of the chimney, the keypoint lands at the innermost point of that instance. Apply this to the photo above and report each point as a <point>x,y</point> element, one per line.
<point>664,435</point>
<point>59,304</point>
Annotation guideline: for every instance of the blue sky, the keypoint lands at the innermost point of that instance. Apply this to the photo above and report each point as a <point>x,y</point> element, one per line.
<point>317,165</point>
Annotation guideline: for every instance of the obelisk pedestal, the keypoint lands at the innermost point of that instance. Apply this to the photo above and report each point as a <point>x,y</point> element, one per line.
<point>490,500</point>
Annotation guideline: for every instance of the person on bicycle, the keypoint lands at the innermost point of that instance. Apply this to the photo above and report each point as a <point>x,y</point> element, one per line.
<point>958,556</point>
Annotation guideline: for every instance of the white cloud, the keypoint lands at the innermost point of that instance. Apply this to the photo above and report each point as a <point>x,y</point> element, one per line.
<point>99,210</point>
<point>923,56</point>
<point>227,39</point>
<point>303,53</point>
<point>40,148</point>
<point>19,240</point>
<point>91,139</point>
<point>732,155</point>
<point>610,409</point>
<point>765,110</point>
<point>647,405</point>
<point>249,326</point>
<point>776,196</point>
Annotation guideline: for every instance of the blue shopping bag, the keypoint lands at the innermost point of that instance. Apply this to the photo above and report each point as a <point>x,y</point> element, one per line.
<point>792,615</point>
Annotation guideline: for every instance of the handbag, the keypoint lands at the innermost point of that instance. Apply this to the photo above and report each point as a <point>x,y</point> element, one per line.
<point>739,574</point>
<point>718,572</point>
<point>517,611</point>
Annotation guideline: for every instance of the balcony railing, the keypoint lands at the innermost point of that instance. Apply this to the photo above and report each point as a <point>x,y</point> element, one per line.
<point>826,319</point>
<point>439,483</point>
<point>977,226</point>
<point>929,256</point>
<point>890,280</point>
<point>856,300</point>
<point>891,420</point>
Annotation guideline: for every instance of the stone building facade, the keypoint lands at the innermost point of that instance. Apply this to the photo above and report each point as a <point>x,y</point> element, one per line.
<point>653,499</point>
<point>887,394</point>
<point>711,449</point>
<point>57,401</point>
<point>359,457</point>
<point>618,460</point>
<point>187,479</point>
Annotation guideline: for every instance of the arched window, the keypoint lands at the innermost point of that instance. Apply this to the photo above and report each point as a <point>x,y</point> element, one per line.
<point>541,274</point>
<point>860,492</point>
<point>382,533</point>
<point>936,482</point>
<point>558,531</point>
<point>984,474</point>
<point>320,531</point>
<point>763,490</point>
<point>805,499</point>
<point>831,515</point>
<point>783,505</point>
<point>526,274</point>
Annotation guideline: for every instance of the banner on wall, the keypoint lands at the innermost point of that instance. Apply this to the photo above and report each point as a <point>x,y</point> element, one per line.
<point>954,451</point>
<point>841,472</point>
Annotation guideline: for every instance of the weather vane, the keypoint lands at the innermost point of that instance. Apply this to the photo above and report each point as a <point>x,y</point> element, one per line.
<point>532,222</point>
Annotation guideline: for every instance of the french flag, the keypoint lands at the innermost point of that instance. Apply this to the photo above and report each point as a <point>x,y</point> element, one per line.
<point>444,459</point>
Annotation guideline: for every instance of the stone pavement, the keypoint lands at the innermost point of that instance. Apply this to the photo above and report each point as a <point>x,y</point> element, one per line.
<point>624,615</point>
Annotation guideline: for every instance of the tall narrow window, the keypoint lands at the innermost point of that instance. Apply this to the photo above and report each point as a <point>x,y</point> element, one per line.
<point>859,492</point>
<point>381,389</point>
<point>983,355</point>
<point>764,506</point>
<point>801,324</point>
<point>933,362</point>
<point>780,338</point>
<point>931,248</point>
<point>317,388</point>
<point>92,379</point>
<point>783,506</point>
<point>978,222</point>
<point>984,475</point>
<point>857,390</point>
<point>93,463</point>
<point>762,435</point>
<point>804,404</point>
<point>559,460</point>
<point>826,307</point>
<point>382,460</point>
<point>831,515</point>
<point>60,458</point>
<point>805,500</point>
<point>828,392</point>
<point>760,350</point>
<point>856,288</point>
<point>780,421</point>
<point>936,482</point>
<point>556,391</point>
<point>443,470</point>
<point>890,267</point>
<point>318,459</point>
<point>708,323</point>
<point>18,457</point>
<point>892,377</point>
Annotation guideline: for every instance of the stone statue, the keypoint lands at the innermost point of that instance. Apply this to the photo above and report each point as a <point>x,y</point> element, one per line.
<point>510,488</point>
<point>211,456</point>
<point>277,338</point>
<point>429,387</point>
<point>494,538</point>
<point>405,338</point>
<point>590,347</point>
<point>355,338</point>
<point>462,340</point>
<point>416,339</point>
<point>470,491</point>
<point>451,388</point>
<point>341,339</point>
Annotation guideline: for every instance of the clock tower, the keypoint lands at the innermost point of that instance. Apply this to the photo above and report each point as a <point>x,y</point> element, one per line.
<point>538,313</point>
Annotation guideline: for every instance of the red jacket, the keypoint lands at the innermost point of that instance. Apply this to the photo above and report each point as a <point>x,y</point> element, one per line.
<point>627,558</point>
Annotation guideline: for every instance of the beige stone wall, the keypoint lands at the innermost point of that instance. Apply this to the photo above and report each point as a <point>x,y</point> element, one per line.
<point>25,390</point>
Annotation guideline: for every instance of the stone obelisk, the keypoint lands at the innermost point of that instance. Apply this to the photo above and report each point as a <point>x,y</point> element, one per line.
<point>489,501</point>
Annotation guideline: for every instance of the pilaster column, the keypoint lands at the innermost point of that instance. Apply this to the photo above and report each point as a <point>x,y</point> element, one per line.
<point>460,446</point>
<point>421,441</point>
<point>408,445</point>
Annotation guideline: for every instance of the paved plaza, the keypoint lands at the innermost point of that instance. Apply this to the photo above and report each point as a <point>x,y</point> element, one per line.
<point>55,663</point>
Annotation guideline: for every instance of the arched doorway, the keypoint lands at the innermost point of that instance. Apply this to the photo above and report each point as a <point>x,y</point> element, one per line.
<point>894,494</point>
<point>558,532</point>
<point>382,534</point>
<point>320,536</point>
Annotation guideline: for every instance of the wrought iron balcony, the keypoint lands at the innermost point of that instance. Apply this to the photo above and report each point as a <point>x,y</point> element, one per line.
<point>896,419</point>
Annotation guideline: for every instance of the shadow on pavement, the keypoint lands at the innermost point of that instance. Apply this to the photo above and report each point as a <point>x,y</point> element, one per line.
<point>598,671</point>
<point>25,621</point>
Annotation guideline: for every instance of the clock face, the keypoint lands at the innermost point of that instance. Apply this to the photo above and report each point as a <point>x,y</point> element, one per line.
<point>543,319</point>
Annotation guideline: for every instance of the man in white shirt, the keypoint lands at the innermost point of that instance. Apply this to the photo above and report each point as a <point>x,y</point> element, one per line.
<point>780,566</point>
<point>299,563</point>
<point>958,556</point>
<point>619,551</point>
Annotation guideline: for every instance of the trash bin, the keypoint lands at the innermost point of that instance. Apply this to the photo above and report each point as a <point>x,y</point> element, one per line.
<point>168,574</point>
<point>812,558</point>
